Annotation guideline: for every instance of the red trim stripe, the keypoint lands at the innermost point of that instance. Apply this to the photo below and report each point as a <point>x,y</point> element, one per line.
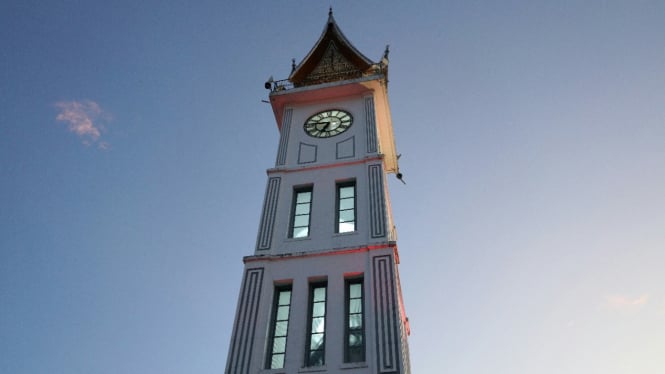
<point>327,166</point>
<point>300,255</point>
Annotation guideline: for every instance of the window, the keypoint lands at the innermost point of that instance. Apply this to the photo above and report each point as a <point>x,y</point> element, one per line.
<point>354,333</point>
<point>302,205</point>
<point>346,207</point>
<point>279,328</point>
<point>316,331</point>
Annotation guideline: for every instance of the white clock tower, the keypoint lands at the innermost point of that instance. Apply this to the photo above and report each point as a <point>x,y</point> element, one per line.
<point>321,293</point>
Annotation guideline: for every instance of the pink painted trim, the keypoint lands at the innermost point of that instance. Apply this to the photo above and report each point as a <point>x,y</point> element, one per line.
<point>327,166</point>
<point>301,255</point>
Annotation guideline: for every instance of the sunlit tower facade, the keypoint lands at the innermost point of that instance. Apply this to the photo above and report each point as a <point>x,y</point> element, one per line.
<point>321,293</point>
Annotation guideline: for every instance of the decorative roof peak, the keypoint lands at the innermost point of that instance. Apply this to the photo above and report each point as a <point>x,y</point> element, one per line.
<point>333,58</point>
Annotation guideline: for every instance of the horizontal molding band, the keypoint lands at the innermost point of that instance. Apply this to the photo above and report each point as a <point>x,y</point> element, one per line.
<point>326,166</point>
<point>327,252</point>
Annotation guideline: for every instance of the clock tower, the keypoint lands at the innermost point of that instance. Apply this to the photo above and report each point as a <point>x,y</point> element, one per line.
<point>321,292</point>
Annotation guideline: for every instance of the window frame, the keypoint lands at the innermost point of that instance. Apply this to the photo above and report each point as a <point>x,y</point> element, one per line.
<point>348,331</point>
<point>294,205</point>
<point>273,325</point>
<point>338,204</point>
<point>310,321</point>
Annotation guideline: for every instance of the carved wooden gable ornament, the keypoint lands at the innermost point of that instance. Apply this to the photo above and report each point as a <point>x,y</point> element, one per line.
<point>333,58</point>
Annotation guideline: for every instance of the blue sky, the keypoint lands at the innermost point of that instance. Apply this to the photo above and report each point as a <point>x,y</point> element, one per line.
<point>134,143</point>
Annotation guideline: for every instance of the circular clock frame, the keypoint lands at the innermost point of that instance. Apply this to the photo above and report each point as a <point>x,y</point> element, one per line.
<point>328,123</point>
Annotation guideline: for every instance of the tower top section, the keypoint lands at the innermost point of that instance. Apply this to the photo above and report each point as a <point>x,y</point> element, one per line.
<point>332,68</point>
<point>333,58</point>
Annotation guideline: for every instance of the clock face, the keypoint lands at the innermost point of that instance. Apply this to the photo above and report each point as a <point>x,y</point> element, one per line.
<point>328,123</point>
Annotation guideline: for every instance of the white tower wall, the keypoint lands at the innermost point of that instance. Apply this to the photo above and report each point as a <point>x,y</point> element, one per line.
<point>364,154</point>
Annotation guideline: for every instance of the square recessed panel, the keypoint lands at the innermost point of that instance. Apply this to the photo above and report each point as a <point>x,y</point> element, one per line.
<point>306,153</point>
<point>346,148</point>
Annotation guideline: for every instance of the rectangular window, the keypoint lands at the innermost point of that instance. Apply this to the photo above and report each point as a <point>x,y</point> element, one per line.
<point>302,206</point>
<point>354,346</point>
<point>346,207</point>
<point>316,330</point>
<point>279,328</point>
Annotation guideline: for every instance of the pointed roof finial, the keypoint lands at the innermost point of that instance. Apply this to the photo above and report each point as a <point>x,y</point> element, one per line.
<point>330,16</point>
<point>385,53</point>
<point>293,65</point>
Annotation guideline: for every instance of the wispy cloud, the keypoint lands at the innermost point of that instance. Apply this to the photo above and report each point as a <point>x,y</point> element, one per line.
<point>85,119</point>
<point>623,301</point>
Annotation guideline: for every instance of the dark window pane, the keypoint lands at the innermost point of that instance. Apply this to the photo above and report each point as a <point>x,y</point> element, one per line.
<point>315,358</point>
<point>300,232</point>
<point>279,345</point>
<point>355,306</point>
<point>346,216</point>
<point>355,345</point>
<point>282,313</point>
<point>316,331</point>
<point>346,204</point>
<point>356,354</point>
<point>319,294</point>
<point>355,340</point>
<point>319,310</point>
<point>316,342</point>
<point>355,290</point>
<point>304,197</point>
<point>302,209</point>
<point>301,221</point>
<point>281,328</point>
<point>318,324</point>
<point>277,361</point>
<point>346,192</point>
<point>355,321</point>
<point>285,298</point>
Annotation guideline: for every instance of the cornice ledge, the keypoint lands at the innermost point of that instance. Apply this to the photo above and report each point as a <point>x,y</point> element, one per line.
<point>364,160</point>
<point>319,253</point>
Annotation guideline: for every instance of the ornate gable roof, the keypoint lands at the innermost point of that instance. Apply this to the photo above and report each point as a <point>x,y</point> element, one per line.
<point>333,58</point>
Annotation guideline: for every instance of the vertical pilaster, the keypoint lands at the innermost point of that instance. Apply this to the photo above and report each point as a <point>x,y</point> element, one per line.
<point>371,125</point>
<point>385,314</point>
<point>284,137</point>
<point>264,238</point>
<point>377,206</point>
<point>242,340</point>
